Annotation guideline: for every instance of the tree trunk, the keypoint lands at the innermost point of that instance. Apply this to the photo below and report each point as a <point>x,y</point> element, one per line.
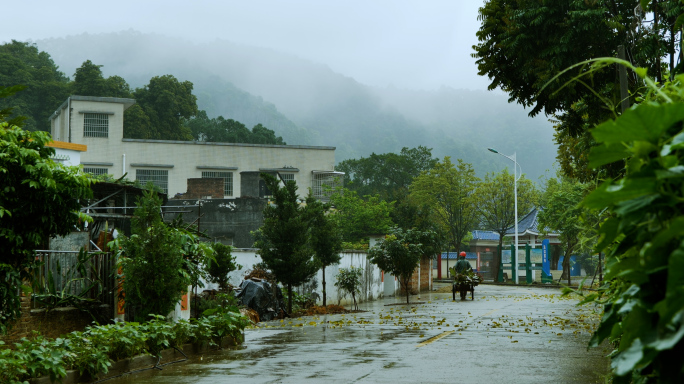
<point>323,284</point>
<point>289,299</point>
<point>566,267</point>
<point>406,287</point>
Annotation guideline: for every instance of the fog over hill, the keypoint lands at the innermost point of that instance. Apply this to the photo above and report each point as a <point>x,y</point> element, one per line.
<point>308,103</point>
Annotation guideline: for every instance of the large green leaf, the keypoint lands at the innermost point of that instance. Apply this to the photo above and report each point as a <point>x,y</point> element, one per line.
<point>632,205</point>
<point>646,122</point>
<point>626,360</point>
<point>670,339</point>
<point>606,154</point>
<point>673,172</point>
<point>609,194</point>
<point>677,143</point>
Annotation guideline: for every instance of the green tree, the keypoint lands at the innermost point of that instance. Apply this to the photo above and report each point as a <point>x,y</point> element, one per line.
<point>45,86</point>
<point>6,114</point>
<point>496,204</point>
<point>39,199</point>
<point>561,213</point>
<point>326,239</point>
<point>283,240</point>
<point>349,280</point>
<point>447,190</point>
<point>525,44</point>
<point>263,135</point>
<point>399,253</point>
<point>643,239</point>
<point>165,103</point>
<point>89,81</point>
<point>388,175</point>
<point>152,260</point>
<point>229,131</point>
<point>357,218</point>
<point>221,265</point>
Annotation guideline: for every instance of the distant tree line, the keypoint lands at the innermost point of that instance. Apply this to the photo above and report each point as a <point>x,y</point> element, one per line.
<point>165,108</point>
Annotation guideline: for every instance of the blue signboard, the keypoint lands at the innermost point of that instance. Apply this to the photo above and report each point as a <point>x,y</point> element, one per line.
<point>575,268</point>
<point>546,262</point>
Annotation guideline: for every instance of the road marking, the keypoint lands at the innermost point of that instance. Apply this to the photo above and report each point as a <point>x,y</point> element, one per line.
<point>434,338</point>
<point>489,313</point>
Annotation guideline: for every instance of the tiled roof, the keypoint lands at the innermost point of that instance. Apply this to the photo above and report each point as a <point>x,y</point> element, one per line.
<point>485,235</point>
<point>526,224</point>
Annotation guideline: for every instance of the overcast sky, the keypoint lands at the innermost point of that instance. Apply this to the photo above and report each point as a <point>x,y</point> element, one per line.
<point>420,44</point>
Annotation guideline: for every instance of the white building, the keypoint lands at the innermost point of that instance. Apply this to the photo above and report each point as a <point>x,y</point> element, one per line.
<point>97,122</point>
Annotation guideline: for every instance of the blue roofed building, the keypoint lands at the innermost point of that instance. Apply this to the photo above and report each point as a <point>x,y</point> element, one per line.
<point>483,247</point>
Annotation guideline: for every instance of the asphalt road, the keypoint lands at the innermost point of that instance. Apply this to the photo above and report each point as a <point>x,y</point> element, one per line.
<point>507,334</point>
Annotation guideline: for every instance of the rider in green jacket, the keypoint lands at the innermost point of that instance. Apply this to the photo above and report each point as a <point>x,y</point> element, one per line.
<point>462,265</point>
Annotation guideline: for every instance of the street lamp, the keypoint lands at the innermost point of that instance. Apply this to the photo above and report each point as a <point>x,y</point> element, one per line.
<point>514,260</point>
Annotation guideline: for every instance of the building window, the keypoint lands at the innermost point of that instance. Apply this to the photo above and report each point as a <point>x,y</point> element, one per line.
<point>95,125</point>
<point>158,177</point>
<point>287,177</point>
<point>227,180</point>
<point>95,171</point>
<point>323,183</point>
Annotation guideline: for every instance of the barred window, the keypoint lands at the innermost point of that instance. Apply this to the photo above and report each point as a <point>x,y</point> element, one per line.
<point>158,177</point>
<point>95,125</point>
<point>287,177</point>
<point>227,180</point>
<point>95,171</point>
<point>322,181</point>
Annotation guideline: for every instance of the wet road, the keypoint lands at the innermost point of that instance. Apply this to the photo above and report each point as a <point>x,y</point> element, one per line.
<point>526,335</point>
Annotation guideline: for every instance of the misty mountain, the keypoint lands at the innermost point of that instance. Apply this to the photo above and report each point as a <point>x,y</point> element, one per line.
<point>308,103</point>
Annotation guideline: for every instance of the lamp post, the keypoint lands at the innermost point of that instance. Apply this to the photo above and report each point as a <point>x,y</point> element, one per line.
<point>514,259</point>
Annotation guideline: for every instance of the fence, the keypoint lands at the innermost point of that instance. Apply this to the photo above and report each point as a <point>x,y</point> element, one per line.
<point>74,273</point>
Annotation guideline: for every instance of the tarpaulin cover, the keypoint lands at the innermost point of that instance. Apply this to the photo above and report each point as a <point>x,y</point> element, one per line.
<point>263,297</point>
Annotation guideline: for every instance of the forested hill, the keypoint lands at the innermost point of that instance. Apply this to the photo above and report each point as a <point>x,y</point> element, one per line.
<point>307,103</point>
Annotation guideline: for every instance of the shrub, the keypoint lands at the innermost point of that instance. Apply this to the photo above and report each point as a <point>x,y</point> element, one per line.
<point>222,264</point>
<point>152,262</point>
<point>92,350</point>
<point>349,280</point>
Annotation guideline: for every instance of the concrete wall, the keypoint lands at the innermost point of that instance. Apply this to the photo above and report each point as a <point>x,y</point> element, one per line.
<point>372,286</point>
<point>227,221</point>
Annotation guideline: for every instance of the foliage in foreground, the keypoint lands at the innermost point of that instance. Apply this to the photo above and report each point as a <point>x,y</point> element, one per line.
<point>93,350</point>
<point>38,199</point>
<point>644,237</point>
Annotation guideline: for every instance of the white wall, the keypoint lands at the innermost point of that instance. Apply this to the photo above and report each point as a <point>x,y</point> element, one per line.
<point>371,289</point>
<point>74,157</point>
